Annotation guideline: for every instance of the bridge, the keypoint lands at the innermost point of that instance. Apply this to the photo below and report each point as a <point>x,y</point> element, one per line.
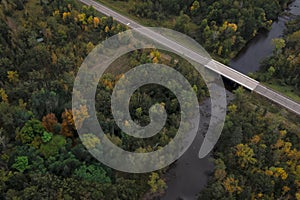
<point>214,65</point>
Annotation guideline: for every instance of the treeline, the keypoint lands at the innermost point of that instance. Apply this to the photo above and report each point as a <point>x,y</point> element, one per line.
<point>42,46</point>
<point>283,67</point>
<point>222,27</point>
<point>257,156</point>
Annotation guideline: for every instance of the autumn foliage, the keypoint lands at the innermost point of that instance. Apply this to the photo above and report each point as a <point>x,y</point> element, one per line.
<point>49,121</point>
<point>67,125</point>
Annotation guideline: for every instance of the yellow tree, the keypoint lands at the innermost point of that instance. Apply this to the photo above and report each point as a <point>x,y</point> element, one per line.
<point>231,185</point>
<point>155,56</point>
<point>3,95</point>
<point>245,155</point>
<point>56,13</point>
<point>80,115</point>
<point>89,47</point>
<point>232,108</point>
<point>255,139</point>
<point>54,58</point>
<point>90,20</point>
<point>195,6</point>
<point>107,83</point>
<point>96,22</point>
<point>66,15</point>
<point>13,77</point>
<point>90,140</point>
<point>82,18</point>
<point>277,172</point>
<point>156,183</point>
<point>233,26</point>
<point>106,29</point>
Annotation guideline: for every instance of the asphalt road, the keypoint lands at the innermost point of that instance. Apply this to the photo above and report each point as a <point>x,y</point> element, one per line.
<point>215,66</point>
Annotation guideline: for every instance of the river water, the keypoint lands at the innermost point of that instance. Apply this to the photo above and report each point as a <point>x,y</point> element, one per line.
<point>260,47</point>
<point>189,174</point>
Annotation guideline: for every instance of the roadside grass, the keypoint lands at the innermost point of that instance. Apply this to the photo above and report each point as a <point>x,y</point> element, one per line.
<point>123,8</point>
<point>286,90</point>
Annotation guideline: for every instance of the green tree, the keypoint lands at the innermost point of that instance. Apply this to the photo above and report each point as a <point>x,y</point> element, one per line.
<point>279,44</point>
<point>182,23</point>
<point>21,163</point>
<point>92,173</point>
<point>46,137</point>
<point>52,147</point>
<point>30,130</point>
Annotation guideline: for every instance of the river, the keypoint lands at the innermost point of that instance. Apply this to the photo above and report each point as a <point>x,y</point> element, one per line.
<point>260,47</point>
<point>189,174</point>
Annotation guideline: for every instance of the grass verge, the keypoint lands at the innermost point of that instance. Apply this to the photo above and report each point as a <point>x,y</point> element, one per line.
<point>286,90</point>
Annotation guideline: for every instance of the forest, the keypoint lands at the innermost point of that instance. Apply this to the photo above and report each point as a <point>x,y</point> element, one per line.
<point>262,161</point>
<point>221,27</point>
<point>42,46</point>
<point>44,42</point>
<point>257,156</point>
<point>281,71</point>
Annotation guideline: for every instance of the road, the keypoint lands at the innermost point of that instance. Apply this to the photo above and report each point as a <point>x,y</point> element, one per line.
<point>214,65</point>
